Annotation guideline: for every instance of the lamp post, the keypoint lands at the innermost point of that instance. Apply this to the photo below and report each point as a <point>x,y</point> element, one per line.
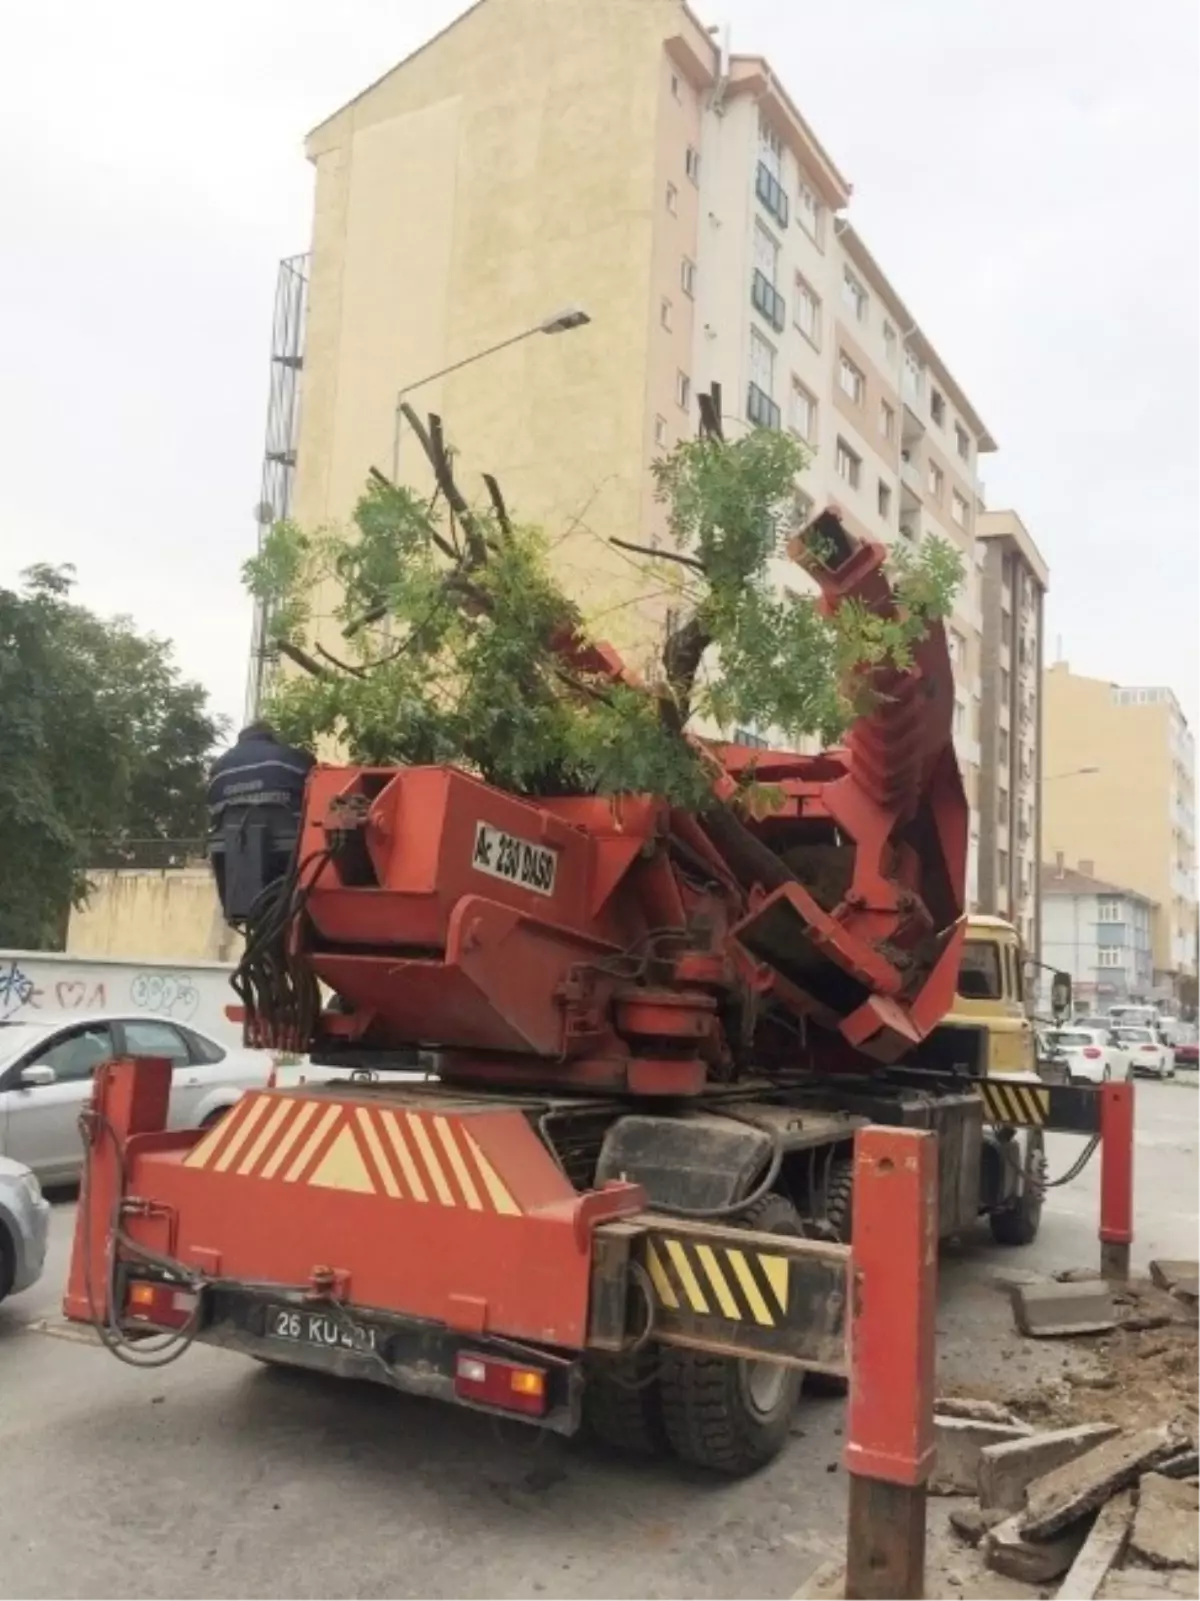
<point>560,323</point>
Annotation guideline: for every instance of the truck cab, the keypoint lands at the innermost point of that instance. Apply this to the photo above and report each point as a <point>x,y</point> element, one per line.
<point>989,1006</point>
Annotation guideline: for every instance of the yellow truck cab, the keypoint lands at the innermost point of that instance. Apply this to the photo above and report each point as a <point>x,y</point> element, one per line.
<point>990,1026</point>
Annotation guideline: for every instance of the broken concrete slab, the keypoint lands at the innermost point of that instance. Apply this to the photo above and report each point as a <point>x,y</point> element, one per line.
<point>1007,1469</point>
<point>1148,1584</point>
<point>1067,1492</point>
<point>1184,1466</point>
<point>965,1406</point>
<point>1167,1272</point>
<point>1076,1275</point>
<point>1100,1551</point>
<point>1164,1526</point>
<point>1007,1551</point>
<point>958,1442</point>
<point>972,1522</point>
<point>1048,1310</point>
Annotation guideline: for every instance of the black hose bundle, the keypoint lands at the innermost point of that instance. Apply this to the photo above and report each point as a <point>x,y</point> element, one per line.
<point>281,997</point>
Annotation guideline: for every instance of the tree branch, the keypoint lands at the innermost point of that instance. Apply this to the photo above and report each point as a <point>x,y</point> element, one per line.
<point>335,661</point>
<point>659,555</point>
<point>301,658</point>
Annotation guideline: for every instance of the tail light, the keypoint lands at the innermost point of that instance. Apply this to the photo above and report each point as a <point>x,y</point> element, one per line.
<point>491,1381</point>
<point>1092,1053</point>
<point>1149,1047</point>
<point>165,1305</point>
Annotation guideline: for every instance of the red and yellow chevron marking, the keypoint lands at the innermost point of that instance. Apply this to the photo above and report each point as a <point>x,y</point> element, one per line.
<point>406,1156</point>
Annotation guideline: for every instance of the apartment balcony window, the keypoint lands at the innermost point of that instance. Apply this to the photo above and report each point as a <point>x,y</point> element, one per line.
<point>962,442</point>
<point>960,509</point>
<point>910,473</point>
<point>772,194</point>
<point>767,299</point>
<point>887,420</point>
<point>937,481</point>
<point>937,407</point>
<point>849,466</point>
<point>761,409</point>
<point>913,381</point>
<point>692,164</point>
<point>850,380</point>
<point>802,413</point>
<point>806,309</point>
<point>911,529</point>
<point>808,211</point>
<point>854,296</point>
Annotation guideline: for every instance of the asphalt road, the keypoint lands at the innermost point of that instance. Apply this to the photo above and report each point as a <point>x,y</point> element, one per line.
<point>217,1477</point>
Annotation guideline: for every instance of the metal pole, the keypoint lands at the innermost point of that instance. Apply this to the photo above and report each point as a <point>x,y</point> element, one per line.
<point>889,1434</point>
<point>1116,1179</point>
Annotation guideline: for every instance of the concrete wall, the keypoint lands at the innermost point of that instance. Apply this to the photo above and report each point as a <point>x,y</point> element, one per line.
<point>47,985</point>
<point>138,914</point>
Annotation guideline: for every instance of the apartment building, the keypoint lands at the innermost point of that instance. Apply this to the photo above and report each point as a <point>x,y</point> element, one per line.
<point>1098,932</point>
<point>1014,579</point>
<point>1120,794</point>
<point>622,160</point>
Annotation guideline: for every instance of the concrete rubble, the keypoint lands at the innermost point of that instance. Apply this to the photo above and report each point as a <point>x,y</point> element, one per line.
<point>1080,1502</point>
<point>1049,1309</point>
<point>959,1442</point>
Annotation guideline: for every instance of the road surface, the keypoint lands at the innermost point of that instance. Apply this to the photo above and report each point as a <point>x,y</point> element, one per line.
<point>218,1477</point>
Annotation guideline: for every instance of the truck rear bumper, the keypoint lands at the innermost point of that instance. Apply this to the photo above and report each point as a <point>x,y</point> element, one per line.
<point>405,1354</point>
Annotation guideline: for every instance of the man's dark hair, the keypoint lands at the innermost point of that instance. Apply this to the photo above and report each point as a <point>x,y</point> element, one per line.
<point>258,730</point>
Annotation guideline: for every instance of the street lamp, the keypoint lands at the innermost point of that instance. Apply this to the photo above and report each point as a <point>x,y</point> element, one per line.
<point>560,323</point>
<point>1074,772</point>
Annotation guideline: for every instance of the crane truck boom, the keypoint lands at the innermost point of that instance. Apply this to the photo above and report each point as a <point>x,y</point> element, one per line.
<point>656,1034</point>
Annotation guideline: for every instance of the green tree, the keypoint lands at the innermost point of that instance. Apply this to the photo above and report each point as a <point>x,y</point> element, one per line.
<point>101,743</point>
<point>455,627</point>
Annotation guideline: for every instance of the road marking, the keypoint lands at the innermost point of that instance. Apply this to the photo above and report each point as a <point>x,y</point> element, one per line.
<point>294,1130</point>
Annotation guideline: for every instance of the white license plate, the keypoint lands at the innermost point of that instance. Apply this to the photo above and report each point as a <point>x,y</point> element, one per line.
<point>331,1330</point>
<point>517,861</point>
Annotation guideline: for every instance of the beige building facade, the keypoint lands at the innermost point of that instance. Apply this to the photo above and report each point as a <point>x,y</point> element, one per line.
<point>1120,795</point>
<point>620,159</point>
<point>1013,582</point>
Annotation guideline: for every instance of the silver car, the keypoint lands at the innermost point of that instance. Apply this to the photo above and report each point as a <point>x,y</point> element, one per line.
<point>46,1070</point>
<point>24,1226</point>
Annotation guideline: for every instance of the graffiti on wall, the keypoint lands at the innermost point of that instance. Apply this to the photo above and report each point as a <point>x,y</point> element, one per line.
<point>34,988</point>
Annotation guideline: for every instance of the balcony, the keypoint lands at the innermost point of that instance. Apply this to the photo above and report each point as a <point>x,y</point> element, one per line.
<point>910,474</point>
<point>912,428</point>
<point>761,409</point>
<point>772,194</point>
<point>766,298</point>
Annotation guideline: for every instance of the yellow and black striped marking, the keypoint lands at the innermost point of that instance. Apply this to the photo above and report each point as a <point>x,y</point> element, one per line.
<point>1024,1105</point>
<point>744,1286</point>
<point>736,1292</point>
<point>1068,1108</point>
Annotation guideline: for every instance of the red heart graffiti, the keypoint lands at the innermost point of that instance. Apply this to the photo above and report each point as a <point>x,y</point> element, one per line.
<point>70,993</point>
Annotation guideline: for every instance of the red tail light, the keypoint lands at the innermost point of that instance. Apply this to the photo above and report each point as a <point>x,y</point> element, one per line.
<point>1092,1053</point>
<point>166,1305</point>
<point>493,1382</point>
<point>1149,1047</point>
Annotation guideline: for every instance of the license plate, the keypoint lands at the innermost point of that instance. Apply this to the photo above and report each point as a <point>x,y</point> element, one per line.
<point>517,861</point>
<point>330,1330</point>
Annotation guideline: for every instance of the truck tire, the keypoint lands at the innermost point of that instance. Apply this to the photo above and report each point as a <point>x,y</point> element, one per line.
<point>622,1405</point>
<point>839,1216</point>
<point>725,1413</point>
<point>1019,1221</point>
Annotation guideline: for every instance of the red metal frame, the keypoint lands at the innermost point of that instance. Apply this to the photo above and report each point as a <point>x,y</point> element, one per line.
<point>1116,1178</point>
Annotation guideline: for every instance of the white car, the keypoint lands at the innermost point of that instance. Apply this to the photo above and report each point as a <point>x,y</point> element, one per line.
<point>1092,1055</point>
<point>1149,1056</point>
<point>46,1070</point>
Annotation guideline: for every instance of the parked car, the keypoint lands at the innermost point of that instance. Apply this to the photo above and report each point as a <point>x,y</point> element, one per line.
<point>46,1070</point>
<point>1092,1055</point>
<point>24,1227</point>
<point>1187,1055</point>
<point>1147,1053</point>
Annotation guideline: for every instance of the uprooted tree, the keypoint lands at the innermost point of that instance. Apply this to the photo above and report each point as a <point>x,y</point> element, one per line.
<point>459,645</point>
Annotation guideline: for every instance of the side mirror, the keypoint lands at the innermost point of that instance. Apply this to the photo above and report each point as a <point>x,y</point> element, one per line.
<point>1060,994</point>
<point>37,1074</point>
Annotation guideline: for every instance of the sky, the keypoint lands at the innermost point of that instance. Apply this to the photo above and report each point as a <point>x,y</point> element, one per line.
<point>1026,174</point>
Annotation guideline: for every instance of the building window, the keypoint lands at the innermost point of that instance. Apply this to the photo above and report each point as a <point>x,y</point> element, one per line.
<point>808,211</point>
<point>937,407</point>
<point>890,342</point>
<point>1109,909</point>
<point>683,390</point>
<point>914,376</point>
<point>1004,747</point>
<point>766,252</point>
<point>1002,802</point>
<point>675,86</point>
<point>762,362</point>
<point>883,499</point>
<point>962,442</point>
<point>887,420</point>
<point>850,380</point>
<point>849,466</point>
<point>1110,956</point>
<point>691,164</point>
<point>664,313</point>
<point>1005,686</point>
<point>854,296</point>
<point>802,413</point>
<point>672,199</point>
<point>958,647</point>
<point>960,719</point>
<point>1002,866</point>
<point>807,312</point>
<point>802,510</point>
<point>660,431</point>
<point>960,510</point>
<point>687,276</point>
<point>937,480</point>
<point>770,148</point>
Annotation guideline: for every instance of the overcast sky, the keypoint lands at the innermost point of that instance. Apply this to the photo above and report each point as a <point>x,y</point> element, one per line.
<point>1026,173</point>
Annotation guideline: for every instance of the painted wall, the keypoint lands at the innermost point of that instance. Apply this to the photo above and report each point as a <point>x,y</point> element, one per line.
<point>51,985</point>
<point>135,914</point>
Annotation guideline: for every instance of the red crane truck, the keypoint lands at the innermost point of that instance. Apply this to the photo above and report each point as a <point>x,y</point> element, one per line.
<point>656,1033</point>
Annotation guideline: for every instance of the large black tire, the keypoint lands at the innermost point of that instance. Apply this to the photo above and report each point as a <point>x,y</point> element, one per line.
<point>1019,1221</point>
<point>839,1216</point>
<point>622,1405</point>
<point>8,1262</point>
<point>723,1413</point>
